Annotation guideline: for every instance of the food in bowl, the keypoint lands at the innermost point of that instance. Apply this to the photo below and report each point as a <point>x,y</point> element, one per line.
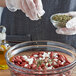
<point>60,20</point>
<point>29,58</point>
<point>41,60</point>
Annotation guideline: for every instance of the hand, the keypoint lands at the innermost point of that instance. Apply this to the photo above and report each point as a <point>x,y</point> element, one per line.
<point>70,28</point>
<point>32,8</point>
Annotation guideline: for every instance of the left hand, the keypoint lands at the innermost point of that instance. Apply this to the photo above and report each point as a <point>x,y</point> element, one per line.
<point>70,28</point>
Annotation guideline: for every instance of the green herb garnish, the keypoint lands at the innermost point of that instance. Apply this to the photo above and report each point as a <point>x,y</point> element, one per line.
<point>62,19</point>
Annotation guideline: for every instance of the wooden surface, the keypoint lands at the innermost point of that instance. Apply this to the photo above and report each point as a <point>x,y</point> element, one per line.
<point>5,73</point>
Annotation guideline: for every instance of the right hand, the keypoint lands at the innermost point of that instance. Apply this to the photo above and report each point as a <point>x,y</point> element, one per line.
<point>32,8</point>
<point>70,28</point>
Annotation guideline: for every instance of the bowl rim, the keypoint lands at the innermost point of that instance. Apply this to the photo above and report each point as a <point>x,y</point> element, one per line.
<point>18,67</point>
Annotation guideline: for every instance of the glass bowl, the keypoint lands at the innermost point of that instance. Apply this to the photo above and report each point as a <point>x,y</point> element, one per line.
<point>32,46</point>
<point>58,24</point>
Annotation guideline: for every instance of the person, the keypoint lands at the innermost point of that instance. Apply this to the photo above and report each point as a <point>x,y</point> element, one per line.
<point>21,28</point>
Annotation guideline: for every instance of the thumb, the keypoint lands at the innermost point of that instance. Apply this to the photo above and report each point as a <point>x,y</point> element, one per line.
<point>71,23</point>
<point>72,13</point>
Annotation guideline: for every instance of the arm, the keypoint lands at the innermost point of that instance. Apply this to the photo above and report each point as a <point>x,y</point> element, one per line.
<point>2,3</point>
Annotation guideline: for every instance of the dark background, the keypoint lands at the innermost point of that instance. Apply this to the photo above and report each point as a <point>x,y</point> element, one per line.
<point>21,28</point>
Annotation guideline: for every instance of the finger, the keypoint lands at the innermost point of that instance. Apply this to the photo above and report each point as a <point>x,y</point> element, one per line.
<point>71,23</point>
<point>32,8</point>
<point>17,3</point>
<point>26,10</point>
<point>72,13</point>
<point>11,5</point>
<point>66,31</point>
<point>39,6</point>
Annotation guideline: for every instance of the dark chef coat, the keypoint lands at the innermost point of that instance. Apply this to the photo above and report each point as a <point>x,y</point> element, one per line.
<point>21,28</point>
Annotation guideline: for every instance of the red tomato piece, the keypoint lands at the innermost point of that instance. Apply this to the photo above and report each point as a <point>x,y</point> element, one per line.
<point>51,55</point>
<point>34,66</point>
<point>67,60</point>
<point>49,64</point>
<point>42,65</point>
<point>39,68</point>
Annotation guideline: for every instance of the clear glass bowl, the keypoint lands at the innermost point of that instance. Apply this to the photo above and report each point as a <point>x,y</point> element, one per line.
<point>31,46</point>
<point>58,24</point>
